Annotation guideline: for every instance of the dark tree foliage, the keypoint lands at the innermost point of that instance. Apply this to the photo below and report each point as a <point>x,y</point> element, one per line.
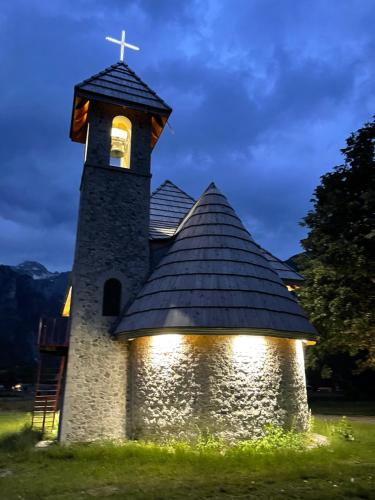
<point>339,264</point>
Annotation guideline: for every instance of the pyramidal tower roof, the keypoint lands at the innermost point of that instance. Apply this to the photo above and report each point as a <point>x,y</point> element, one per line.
<point>118,85</point>
<point>214,279</point>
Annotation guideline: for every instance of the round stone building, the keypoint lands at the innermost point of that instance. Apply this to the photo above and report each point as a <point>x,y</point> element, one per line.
<point>180,323</point>
<point>215,335</point>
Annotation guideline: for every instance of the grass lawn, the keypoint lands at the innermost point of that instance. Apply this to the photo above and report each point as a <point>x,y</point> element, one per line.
<point>344,469</point>
<point>339,407</point>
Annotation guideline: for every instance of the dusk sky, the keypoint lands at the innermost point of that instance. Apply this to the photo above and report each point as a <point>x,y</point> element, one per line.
<point>264,94</point>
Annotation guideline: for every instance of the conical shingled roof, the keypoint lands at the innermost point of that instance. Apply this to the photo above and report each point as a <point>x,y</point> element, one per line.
<point>214,278</point>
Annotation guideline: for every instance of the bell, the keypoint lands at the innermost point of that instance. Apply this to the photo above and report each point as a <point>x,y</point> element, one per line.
<point>119,142</point>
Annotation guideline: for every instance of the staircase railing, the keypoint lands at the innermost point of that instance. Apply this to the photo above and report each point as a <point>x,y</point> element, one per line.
<point>53,342</point>
<point>53,332</point>
<point>48,392</point>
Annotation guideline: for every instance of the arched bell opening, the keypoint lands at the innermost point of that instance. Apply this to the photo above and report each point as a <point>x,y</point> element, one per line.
<point>121,141</point>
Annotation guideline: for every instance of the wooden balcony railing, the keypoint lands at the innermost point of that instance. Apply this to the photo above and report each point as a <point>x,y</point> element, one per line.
<point>53,333</point>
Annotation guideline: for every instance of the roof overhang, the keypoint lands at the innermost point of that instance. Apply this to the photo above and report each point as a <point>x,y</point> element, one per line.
<point>81,104</point>
<point>149,332</point>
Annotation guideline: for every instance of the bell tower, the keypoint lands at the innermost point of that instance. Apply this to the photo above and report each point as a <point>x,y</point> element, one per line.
<point>119,119</point>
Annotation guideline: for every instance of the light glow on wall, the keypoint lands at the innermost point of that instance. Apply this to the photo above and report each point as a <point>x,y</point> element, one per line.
<point>300,354</point>
<point>166,349</point>
<point>230,385</point>
<point>309,342</point>
<point>248,344</point>
<point>249,355</point>
<point>87,141</point>
<point>68,301</point>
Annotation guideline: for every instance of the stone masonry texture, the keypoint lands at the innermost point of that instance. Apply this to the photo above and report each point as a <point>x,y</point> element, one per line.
<point>186,386</point>
<point>112,242</point>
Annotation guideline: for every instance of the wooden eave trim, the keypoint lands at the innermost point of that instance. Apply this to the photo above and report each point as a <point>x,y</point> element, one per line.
<point>74,136</point>
<point>148,332</point>
<point>123,102</point>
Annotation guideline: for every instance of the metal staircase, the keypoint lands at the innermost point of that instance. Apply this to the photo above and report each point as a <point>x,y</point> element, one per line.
<point>48,392</point>
<point>53,348</point>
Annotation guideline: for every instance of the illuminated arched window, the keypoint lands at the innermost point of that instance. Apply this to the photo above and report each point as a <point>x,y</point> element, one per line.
<point>121,134</point>
<point>111,297</point>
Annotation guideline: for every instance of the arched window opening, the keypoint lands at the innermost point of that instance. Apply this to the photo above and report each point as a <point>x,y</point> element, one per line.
<point>121,141</point>
<point>111,297</point>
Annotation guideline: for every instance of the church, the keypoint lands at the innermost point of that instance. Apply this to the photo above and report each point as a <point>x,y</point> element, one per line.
<point>180,324</point>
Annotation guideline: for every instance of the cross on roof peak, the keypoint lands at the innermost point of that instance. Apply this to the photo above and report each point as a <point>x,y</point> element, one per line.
<point>122,44</point>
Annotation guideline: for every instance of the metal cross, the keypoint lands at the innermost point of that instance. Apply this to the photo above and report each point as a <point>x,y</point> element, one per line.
<point>122,43</point>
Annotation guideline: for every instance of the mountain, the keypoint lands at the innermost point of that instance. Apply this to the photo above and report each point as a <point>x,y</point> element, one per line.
<point>28,291</point>
<point>34,269</point>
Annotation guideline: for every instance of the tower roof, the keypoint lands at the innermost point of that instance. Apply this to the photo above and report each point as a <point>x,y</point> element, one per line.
<point>118,85</point>
<point>168,206</point>
<point>214,278</point>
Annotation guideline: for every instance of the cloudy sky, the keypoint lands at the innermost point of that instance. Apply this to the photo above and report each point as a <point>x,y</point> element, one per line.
<point>264,94</point>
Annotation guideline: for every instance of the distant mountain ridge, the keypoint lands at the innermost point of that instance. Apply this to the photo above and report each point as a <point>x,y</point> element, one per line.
<point>28,291</point>
<point>34,270</point>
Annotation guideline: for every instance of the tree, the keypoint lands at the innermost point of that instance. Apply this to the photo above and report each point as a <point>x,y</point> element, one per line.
<point>339,264</point>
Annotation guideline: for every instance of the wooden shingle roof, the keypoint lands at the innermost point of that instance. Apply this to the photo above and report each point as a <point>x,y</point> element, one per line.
<point>118,85</point>
<point>121,85</point>
<point>286,273</point>
<point>214,278</point>
<point>168,206</point>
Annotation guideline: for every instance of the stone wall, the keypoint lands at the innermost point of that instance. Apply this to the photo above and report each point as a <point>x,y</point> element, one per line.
<point>95,392</point>
<point>228,386</point>
<point>112,242</point>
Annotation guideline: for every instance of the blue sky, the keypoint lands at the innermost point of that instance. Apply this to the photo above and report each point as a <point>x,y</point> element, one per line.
<point>264,94</point>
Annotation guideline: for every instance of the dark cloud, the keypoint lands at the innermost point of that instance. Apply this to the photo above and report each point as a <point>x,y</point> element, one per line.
<point>264,94</point>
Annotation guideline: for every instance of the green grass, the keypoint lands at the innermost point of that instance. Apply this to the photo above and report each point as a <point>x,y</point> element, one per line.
<point>12,421</point>
<point>345,469</point>
<point>338,407</point>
